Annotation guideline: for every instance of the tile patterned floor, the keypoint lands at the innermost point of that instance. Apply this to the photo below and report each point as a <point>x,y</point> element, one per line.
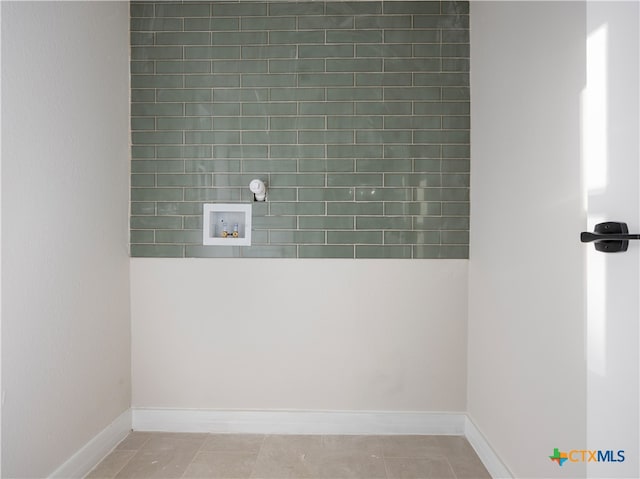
<point>234,456</point>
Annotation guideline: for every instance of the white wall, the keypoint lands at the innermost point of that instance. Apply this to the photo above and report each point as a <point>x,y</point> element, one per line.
<point>65,286</point>
<point>299,334</point>
<point>527,372</point>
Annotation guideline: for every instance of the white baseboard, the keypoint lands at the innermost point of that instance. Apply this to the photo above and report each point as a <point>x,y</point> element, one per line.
<point>96,449</point>
<point>489,458</point>
<point>298,422</point>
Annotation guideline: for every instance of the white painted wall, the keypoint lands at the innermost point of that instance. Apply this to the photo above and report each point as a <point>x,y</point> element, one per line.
<point>299,334</point>
<point>527,371</point>
<point>65,286</point>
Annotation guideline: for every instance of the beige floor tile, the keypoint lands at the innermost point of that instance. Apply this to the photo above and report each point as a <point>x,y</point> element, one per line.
<point>247,443</point>
<point>221,465</point>
<point>111,465</point>
<point>347,465</point>
<point>411,446</point>
<point>166,464</point>
<point>168,441</point>
<point>286,457</point>
<point>134,441</point>
<point>418,468</point>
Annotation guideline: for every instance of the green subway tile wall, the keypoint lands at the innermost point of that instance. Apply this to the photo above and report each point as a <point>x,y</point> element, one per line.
<point>355,114</point>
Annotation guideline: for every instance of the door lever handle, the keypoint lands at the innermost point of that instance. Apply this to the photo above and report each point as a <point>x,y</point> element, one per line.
<point>609,237</point>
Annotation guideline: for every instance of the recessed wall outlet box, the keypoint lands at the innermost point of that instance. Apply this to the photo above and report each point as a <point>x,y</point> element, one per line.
<point>226,224</point>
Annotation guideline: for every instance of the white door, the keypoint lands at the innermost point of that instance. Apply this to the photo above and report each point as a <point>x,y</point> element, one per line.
<point>611,134</point>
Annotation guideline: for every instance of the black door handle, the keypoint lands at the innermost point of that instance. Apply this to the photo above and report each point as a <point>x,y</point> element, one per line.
<point>610,237</point>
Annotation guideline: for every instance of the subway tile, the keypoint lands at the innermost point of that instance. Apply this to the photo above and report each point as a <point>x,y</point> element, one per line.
<point>455,237</point>
<point>139,152</point>
<point>143,180</point>
<point>235,9</point>
<point>412,93</point>
<point>434,208</point>
<point>379,252</point>
<point>383,194</point>
<point>383,108</point>
<point>268,109</point>
<point>270,166</point>
<point>456,122</point>
<point>354,151</point>
<point>213,166</point>
<point>383,50</point>
<point>427,50</point>
<point>151,24</point>
<point>267,23</point>
<point>457,180</point>
<point>211,81</point>
<point>326,222</point>
<point>155,109</point>
<point>441,108</point>
<point>183,38</point>
<point>142,38</point>
<point>211,24</point>
<point>211,53</point>
<point>297,237</point>
<point>427,194</point>
<point>156,53</point>
<point>383,223</point>
<point>297,123</point>
<point>291,66</point>
<point>156,194</point>
<point>240,123</point>
<point>412,122</point>
<point>320,165</point>
<point>297,180</point>
<point>455,93</point>
<point>455,7</point>
<point>412,237</point>
<point>412,36</point>
<point>366,165</point>
<point>268,137</point>
<point>179,237</point>
<point>325,22</point>
<point>326,108</point>
<point>325,194</point>
<point>295,37</point>
<point>296,8</point>
<point>454,194</point>
<point>142,236</point>
<point>275,222</point>
<point>441,252</point>
<point>194,222</point>
<point>157,251</point>
<point>239,38</point>
<point>411,7</point>
<point>270,80</point>
<point>142,95</point>
<point>184,180</point>
<point>212,109</point>
<point>141,9</point>
<point>421,180</point>
<point>325,79</point>
<point>190,95</point>
<point>354,65</point>
<point>241,94</point>
<point>343,251</point>
<point>166,9</point>
<point>211,194</point>
<point>183,151</point>
<point>157,166</point>
<point>211,137</point>
<point>354,122</point>
<point>441,21</point>
<point>354,36</point>
<point>233,179</point>
<point>156,137</point>
<point>179,208</point>
<point>143,208</point>
<point>444,223</point>
<point>143,123</point>
<point>183,67</point>
<point>412,151</point>
<point>413,65</point>
<point>270,251</point>
<point>244,151</point>
<point>156,81</point>
<point>270,51</point>
<point>244,66</point>
<point>354,237</point>
<point>451,165</point>
<point>460,50</point>
<point>383,136</point>
<point>184,123</point>
<point>441,79</point>
<point>343,179</point>
<point>455,65</point>
<point>326,51</point>
<point>199,251</point>
<point>283,194</point>
<point>353,8</point>
<point>297,151</point>
<point>455,36</point>
<point>441,136</point>
<point>352,208</point>
<point>326,136</point>
<point>383,79</point>
<point>455,151</point>
<point>382,21</point>
<point>156,222</point>
<point>455,208</point>
<point>297,209</point>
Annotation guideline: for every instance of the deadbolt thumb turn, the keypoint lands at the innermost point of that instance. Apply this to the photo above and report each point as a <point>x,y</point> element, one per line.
<point>610,237</point>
